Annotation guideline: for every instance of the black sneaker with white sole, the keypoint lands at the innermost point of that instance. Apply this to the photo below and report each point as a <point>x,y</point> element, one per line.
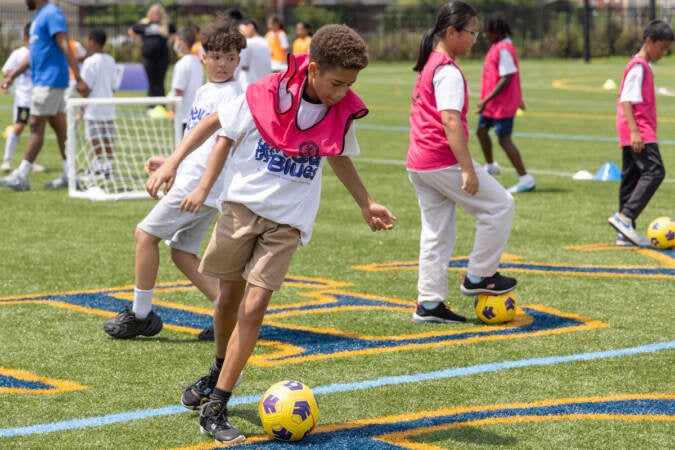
<point>125,325</point>
<point>195,395</point>
<point>214,422</point>
<point>439,314</point>
<point>494,285</point>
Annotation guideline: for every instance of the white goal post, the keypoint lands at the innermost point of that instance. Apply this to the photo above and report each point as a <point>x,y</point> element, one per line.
<point>106,158</point>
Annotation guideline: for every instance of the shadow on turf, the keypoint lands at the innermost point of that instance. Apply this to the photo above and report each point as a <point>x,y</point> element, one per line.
<point>469,435</point>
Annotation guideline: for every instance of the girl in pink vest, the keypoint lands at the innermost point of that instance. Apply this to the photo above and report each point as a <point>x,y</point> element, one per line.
<point>443,174</point>
<point>642,170</point>
<point>500,99</point>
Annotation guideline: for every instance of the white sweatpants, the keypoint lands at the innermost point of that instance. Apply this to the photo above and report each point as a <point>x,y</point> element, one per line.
<point>438,193</point>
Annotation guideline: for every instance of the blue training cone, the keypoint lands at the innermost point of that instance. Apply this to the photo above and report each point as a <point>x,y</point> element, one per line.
<point>608,172</point>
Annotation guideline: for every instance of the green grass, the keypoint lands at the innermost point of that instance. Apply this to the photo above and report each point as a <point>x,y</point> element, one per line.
<point>53,244</point>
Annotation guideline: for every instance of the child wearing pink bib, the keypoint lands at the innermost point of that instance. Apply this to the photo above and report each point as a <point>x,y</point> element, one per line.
<point>501,97</point>
<point>443,174</point>
<point>642,168</point>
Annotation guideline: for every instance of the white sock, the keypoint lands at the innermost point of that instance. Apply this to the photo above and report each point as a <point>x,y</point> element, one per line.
<point>142,302</point>
<point>430,305</point>
<point>474,279</point>
<point>24,168</point>
<point>10,145</point>
<point>527,178</point>
<point>64,174</point>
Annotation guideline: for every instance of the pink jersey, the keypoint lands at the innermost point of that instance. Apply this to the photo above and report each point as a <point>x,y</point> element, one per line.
<point>644,112</point>
<point>278,126</point>
<point>506,103</point>
<point>429,148</point>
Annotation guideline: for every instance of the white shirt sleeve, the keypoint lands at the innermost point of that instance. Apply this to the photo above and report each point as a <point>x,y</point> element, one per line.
<point>180,77</point>
<point>235,117</point>
<point>88,71</point>
<point>507,65</point>
<point>449,88</point>
<point>632,85</point>
<point>283,40</point>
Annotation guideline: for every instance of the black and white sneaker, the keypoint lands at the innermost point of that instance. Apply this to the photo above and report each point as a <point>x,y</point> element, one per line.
<point>195,395</point>
<point>495,285</point>
<point>125,325</point>
<point>439,314</point>
<point>206,334</point>
<point>213,421</point>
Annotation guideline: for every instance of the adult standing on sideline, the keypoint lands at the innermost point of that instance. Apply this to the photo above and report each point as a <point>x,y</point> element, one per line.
<point>49,59</point>
<point>154,31</point>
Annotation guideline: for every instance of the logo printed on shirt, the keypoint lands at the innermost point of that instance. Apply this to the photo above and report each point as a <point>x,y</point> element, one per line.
<point>280,163</point>
<point>194,116</point>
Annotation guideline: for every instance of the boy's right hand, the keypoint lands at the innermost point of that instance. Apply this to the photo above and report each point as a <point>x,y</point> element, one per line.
<point>194,200</point>
<point>165,174</point>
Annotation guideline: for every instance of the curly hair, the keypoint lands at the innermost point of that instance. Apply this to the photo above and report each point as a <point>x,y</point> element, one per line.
<point>222,35</point>
<point>338,46</point>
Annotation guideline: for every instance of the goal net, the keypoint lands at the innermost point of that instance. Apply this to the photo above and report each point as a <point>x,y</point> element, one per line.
<point>109,141</point>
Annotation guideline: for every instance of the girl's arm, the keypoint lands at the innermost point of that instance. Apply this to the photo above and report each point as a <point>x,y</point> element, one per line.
<point>454,133</point>
<point>377,216</point>
<point>166,173</point>
<point>195,199</point>
<point>499,87</point>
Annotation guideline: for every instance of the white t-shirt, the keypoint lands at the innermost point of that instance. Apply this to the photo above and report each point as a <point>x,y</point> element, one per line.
<point>256,56</point>
<point>448,88</point>
<point>632,85</point>
<point>190,171</point>
<point>98,71</point>
<point>188,76</point>
<point>22,86</point>
<point>275,186</point>
<point>507,65</point>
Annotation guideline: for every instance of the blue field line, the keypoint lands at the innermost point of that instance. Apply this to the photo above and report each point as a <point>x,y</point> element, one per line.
<point>89,422</point>
<point>566,137</point>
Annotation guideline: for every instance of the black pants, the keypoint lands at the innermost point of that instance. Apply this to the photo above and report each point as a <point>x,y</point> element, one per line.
<point>641,175</point>
<point>156,72</point>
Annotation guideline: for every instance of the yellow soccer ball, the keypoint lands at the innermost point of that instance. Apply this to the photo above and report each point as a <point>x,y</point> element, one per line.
<point>661,233</point>
<point>494,309</point>
<point>288,411</point>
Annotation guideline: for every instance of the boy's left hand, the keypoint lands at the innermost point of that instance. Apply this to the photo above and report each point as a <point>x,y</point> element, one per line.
<point>378,217</point>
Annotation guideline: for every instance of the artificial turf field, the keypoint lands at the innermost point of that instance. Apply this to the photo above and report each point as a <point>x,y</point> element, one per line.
<point>587,363</point>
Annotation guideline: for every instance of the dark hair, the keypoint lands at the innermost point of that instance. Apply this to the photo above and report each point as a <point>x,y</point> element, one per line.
<point>98,36</point>
<point>497,24</point>
<point>452,14</point>
<point>186,35</point>
<point>221,34</point>
<point>26,29</point>
<point>658,30</point>
<point>338,46</point>
<point>251,21</point>
<point>276,19</point>
<point>306,26</point>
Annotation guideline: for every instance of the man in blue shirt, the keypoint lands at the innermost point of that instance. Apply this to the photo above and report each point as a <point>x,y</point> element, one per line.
<point>50,56</point>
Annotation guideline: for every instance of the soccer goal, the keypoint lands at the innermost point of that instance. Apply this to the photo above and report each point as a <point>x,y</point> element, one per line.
<point>109,141</point>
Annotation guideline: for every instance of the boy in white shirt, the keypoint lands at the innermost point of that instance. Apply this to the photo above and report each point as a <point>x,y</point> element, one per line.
<point>188,73</point>
<point>184,231</point>
<point>255,58</point>
<point>23,93</point>
<point>301,119</point>
<point>98,72</point>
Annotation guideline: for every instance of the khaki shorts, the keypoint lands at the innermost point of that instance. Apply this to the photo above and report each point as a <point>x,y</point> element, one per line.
<point>47,101</point>
<point>245,246</point>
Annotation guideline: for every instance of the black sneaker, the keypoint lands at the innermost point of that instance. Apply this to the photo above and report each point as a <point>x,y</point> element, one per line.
<point>440,314</point>
<point>125,325</point>
<point>206,335</point>
<point>214,422</point>
<point>195,395</point>
<point>495,285</point>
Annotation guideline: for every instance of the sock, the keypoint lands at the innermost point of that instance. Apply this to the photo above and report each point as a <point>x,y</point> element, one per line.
<point>142,302</point>
<point>64,174</point>
<point>219,363</point>
<point>24,168</point>
<point>525,178</point>
<point>491,165</point>
<point>474,279</point>
<point>430,305</point>
<point>220,395</point>
<point>10,145</point>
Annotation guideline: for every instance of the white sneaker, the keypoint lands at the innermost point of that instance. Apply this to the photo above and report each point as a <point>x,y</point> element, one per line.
<point>15,181</point>
<point>6,165</point>
<point>625,228</point>
<point>493,168</point>
<point>621,241</point>
<point>37,167</point>
<point>59,183</point>
<point>525,185</point>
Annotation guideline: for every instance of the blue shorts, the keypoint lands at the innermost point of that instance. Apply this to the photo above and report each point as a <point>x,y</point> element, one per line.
<point>503,127</point>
